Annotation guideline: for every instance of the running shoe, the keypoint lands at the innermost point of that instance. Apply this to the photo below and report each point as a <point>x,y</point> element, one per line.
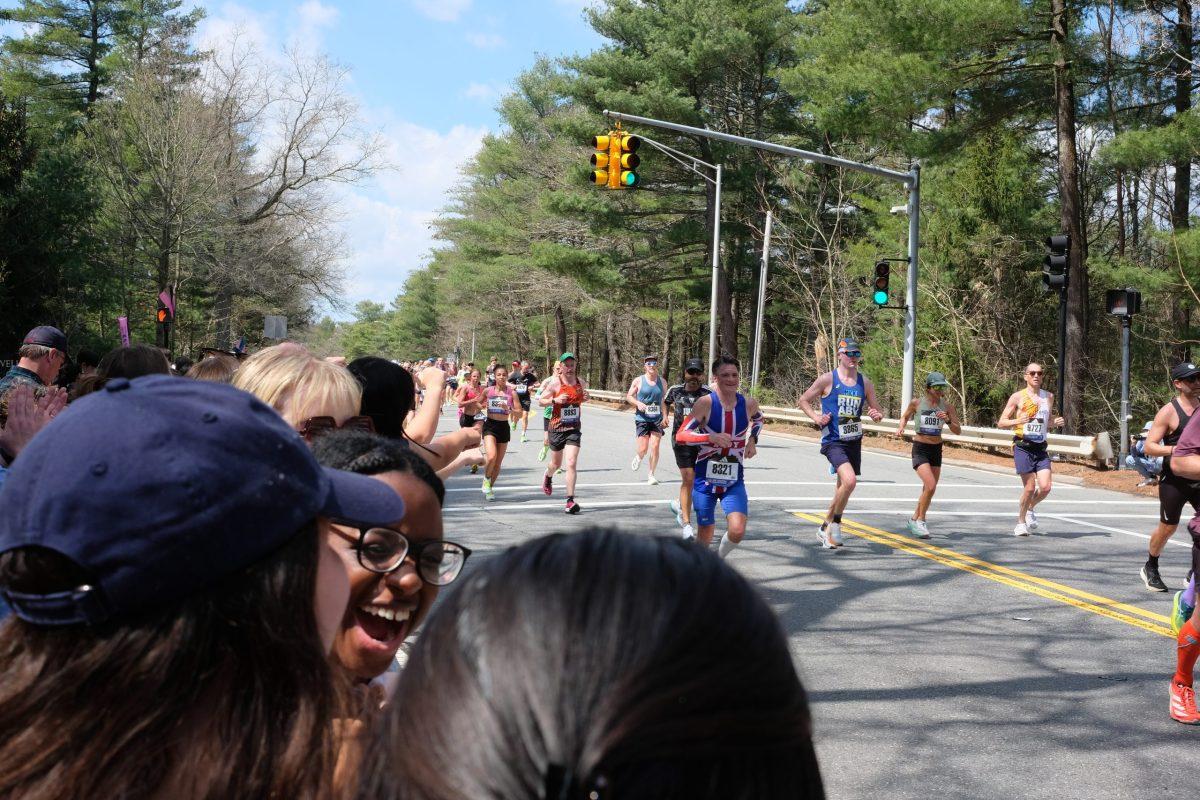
<point>636,463</point>
<point>489,494</point>
<point>1031,520</point>
<point>514,424</point>
<point>572,507</point>
<point>677,510</point>
<point>542,453</point>
<point>487,486</point>
<point>1152,579</point>
<point>826,540</point>
<point>1183,704</point>
<point>689,533</point>
<point>1181,612</point>
<point>547,485</point>
<point>835,534</point>
<point>560,471</point>
<point>651,480</point>
<point>524,438</point>
<point>918,528</point>
<point>474,469</point>
<point>1021,530</point>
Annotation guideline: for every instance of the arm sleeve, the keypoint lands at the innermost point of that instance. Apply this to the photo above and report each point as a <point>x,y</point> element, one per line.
<point>756,425</point>
<point>689,433</point>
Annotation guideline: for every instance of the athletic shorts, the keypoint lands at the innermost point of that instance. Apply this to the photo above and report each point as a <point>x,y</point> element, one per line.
<point>685,455</point>
<point>546,424</point>
<point>1173,494</point>
<point>498,428</point>
<point>467,420</point>
<point>561,438</point>
<point>647,428</point>
<point>524,400</point>
<point>452,383</point>
<point>839,453</point>
<point>1030,458</point>
<point>925,453</point>
<point>733,500</point>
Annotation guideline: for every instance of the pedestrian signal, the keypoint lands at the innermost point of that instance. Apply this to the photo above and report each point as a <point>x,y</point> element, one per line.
<point>883,274</point>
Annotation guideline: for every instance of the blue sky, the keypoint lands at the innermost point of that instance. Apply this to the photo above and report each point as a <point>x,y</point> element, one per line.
<point>427,75</point>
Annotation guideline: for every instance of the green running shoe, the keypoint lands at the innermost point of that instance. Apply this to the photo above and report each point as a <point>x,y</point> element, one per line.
<point>1181,612</point>
<point>542,453</point>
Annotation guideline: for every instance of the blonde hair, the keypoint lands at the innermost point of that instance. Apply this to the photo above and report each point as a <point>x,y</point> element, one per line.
<point>299,385</point>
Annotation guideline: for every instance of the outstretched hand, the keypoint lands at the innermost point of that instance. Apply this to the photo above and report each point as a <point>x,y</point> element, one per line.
<point>28,414</point>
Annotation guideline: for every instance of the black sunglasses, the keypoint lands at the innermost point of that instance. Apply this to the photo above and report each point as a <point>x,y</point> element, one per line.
<point>383,550</point>
<point>313,427</point>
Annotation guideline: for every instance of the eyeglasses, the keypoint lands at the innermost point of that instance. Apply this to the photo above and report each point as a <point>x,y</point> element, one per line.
<point>855,354</point>
<point>651,363</point>
<point>313,427</point>
<point>383,550</point>
<point>1034,372</point>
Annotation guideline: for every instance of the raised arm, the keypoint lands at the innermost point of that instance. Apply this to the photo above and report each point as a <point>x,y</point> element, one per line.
<point>1163,420</point>
<point>1010,418</point>
<point>631,395</point>
<point>872,401</point>
<point>909,410</point>
<point>952,420</point>
<point>423,426</point>
<point>817,390</point>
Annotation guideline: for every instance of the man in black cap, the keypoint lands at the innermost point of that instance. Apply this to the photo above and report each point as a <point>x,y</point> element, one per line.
<point>679,401</point>
<point>43,353</point>
<point>1173,491</point>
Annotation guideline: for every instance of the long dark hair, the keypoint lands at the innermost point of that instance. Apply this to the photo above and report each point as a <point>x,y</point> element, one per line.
<point>370,454</point>
<point>133,362</point>
<point>228,693</point>
<point>389,393</point>
<point>638,667</point>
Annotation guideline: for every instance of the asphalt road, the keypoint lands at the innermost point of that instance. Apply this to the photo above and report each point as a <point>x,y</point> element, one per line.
<point>974,665</point>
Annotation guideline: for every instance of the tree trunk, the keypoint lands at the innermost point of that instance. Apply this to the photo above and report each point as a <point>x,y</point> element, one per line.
<point>1181,202</point>
<point>606,354</point>
<point>1068,184</point>
<point>560,329</point>
<point>669,338</point>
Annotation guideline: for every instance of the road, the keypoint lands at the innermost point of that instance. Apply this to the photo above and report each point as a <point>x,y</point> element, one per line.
<point>975,665</point>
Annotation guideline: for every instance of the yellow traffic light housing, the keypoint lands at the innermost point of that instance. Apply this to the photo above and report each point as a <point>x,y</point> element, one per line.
<point>615,160</point>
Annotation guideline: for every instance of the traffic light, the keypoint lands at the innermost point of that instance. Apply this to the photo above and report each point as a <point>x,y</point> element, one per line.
<point>615,161</point>
<point>1056,272</point>
<point>163,317</point>
<point>883,274</point>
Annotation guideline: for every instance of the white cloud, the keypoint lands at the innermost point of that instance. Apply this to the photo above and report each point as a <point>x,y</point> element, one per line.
<point>486,41</point>
<point>483,91</point>
<point>442,10</point>
<point>313,16</point>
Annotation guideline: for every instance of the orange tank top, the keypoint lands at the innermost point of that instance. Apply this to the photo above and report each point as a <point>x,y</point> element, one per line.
<point>567,402</point>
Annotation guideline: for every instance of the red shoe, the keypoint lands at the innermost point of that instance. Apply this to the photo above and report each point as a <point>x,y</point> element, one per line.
<point>547,486</point>
<point>1183,704</point>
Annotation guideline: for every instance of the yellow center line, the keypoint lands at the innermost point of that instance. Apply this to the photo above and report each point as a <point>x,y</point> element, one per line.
<point>1103,606</point>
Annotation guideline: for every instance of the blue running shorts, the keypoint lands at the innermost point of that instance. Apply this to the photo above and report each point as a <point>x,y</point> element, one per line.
<point>733,500</point>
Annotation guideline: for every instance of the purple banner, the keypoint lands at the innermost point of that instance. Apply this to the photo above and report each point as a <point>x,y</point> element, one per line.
<point>168,300</point>
<point>123,325</point>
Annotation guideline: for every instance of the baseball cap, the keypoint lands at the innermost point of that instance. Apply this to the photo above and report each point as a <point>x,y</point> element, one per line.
<point>936,379</point>
<point>651,357</point>
<point>47,336</point>
<point>565,356</point>
<point>160,487</point>
<point>693,364</point>
<point>1184,370</point>
<point>848,346</point>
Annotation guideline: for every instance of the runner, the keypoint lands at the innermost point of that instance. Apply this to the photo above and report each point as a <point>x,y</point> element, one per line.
<point>842,393</point>
<point>932,412</point>
<point>646,395</point>
<point>565,394</point>
<point>1173,491</point>
<point>451,381</point>
<point>491,368</point>
<point>547,408</point>
<point>470,398</point>
<point>501,400</point>
<point>1028,414</point>
<point>725,425</point>
<point>524,380</point>
<point>680,400</point>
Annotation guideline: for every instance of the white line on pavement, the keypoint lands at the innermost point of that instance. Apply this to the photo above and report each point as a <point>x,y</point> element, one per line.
<point>1110,528</point>
<point>829,483</point>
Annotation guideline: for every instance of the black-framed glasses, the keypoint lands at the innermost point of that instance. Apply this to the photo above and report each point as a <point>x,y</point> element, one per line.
<point>383,550</point>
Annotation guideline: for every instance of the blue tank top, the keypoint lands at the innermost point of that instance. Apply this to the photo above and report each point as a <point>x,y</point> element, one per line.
<point>652,395</point>
<point>718,470</point>
<point>844,405</point>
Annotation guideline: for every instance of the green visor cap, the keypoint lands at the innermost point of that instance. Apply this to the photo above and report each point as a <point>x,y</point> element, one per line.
<point>565,356</point>
<point>936,379</point>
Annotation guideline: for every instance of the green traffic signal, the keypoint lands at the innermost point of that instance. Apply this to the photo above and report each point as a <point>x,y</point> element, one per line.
<point>881,298</point>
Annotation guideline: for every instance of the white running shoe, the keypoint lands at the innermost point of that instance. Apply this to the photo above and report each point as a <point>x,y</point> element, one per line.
<point>689,533</point>
<point>651,480</point>
<point>1021,530</point>
<point>637,462</point>
<point>677,510</point>
<point>918,528</point>
<point>835,533</point>
<point>1031,520</point>
<point>826,540</point>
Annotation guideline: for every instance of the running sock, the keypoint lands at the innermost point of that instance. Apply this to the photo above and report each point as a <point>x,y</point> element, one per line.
<point>1189,593</point>
<point>1152,562</point>
<point>570,498</point>
<point>837,518</point>
<point>726,546</point>
<point>1187,650</point>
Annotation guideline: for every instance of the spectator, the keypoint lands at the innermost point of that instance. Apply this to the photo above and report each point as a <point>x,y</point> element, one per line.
<point>42,354</point>
<point>173,606</point>
<point>313,394</point>
<point>27,413</point>
<point>87,361</point>
<point>218,368</point>
<point>181,365</point>
<point>598,664</point>
<point>133,362</point>
<point>1149,467</point>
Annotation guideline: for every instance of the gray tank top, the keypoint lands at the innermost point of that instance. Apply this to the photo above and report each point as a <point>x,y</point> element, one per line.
<point>928,423</point>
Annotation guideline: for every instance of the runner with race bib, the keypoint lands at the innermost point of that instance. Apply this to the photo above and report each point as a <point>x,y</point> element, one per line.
<point>646,396</point>
<point>471,414</point>
<point>933,413</point>
<point>500,399</point>
<point>565,394</point>
<point>842,393</point>
<point>1028,413</point>
<point>680,400</point>
<point>523,381</point>
<point>725,426</point>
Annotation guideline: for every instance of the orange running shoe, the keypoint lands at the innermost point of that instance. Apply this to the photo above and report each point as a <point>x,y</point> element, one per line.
<point>1183,704</point>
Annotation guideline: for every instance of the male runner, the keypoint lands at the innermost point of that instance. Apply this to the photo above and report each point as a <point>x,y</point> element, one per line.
<point>1028,413</point>
<point>523,381</point>
<point>567,393</point>
<point>725,425</point>
<point>646,396</point>
<point>1173,491</point>
<point>680,400</point>
<point>842,393</point>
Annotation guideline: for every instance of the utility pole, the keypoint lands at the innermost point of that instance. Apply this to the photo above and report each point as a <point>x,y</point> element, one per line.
<point>762,301</point>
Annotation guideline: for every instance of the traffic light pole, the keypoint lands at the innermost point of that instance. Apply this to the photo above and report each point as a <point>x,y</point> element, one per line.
<point>1062,346</point>
<point>911,179</point>
<point>716,273</point>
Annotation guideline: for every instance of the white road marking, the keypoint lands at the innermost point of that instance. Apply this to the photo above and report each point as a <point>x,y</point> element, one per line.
<point>829,483</point>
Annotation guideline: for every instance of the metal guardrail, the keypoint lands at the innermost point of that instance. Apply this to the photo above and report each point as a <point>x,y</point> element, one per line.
<point>1094,448</point>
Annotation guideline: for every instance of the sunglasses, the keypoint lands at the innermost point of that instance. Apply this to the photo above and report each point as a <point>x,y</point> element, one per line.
<point>651,363</point>
<point>854,354</point>
<point>1034,372</point>
<point>383,550</point>
<point>313,427</point>
<point>694,372</point>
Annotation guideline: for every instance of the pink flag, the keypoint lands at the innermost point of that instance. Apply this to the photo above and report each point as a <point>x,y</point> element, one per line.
<point>123,325</point>
<point>168,300</point>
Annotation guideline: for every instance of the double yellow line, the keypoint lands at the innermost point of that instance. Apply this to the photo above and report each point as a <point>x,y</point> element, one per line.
<point>1122,612</point>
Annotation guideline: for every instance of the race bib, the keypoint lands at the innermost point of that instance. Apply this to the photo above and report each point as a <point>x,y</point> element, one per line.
<point>652,412</point>
<point>1035,429</point>
<point>497,405</point>
<point>850,429</point>
<point>931,424</point>
<point>722,473</point>
<point>481,415</point>
<point>522,388</point>
<point>570,414</point>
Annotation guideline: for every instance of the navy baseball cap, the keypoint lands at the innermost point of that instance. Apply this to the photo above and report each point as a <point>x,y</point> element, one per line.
<point>848,346</point>
<point>693,365</point>
<point>1183,371</point>
<point>160,487</point>
<point>47,336</point>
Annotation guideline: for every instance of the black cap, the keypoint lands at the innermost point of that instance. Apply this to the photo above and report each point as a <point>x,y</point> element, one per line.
<point>47,336</point>
<point>1183,371</point>
<point>693,364</point>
